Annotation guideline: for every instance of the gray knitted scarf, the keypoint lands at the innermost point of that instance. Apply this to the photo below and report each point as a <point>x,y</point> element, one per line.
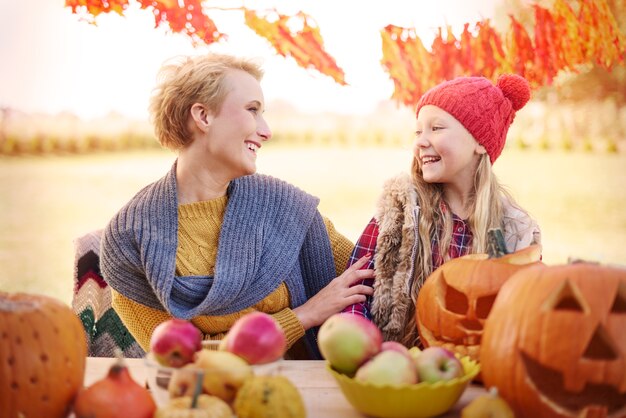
<point>272,232</point>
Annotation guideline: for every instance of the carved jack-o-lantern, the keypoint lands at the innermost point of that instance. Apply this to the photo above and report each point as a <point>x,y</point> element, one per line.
<point>456,299</point>
<point>555,342</point>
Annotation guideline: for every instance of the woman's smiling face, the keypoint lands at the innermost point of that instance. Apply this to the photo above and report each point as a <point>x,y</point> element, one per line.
<point>238,130</point>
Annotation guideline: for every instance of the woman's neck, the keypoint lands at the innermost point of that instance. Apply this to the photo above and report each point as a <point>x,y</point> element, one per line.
<point>196,183</point>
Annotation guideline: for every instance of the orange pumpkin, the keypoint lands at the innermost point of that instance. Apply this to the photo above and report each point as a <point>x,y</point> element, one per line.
<point>456,299</point>
<point>43,350</point>
<point>555,342</point>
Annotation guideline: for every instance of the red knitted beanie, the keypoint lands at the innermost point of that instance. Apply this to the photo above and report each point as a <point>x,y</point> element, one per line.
<point>485,110</point>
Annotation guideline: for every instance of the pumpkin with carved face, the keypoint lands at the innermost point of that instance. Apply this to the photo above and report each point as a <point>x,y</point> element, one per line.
<point>456,299</point>
<point>555,342</point>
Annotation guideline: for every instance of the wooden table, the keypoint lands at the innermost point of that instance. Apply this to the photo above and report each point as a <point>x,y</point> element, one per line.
<point>322,396</point>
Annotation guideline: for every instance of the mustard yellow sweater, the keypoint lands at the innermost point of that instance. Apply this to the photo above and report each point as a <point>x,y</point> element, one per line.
<point>198,235</point>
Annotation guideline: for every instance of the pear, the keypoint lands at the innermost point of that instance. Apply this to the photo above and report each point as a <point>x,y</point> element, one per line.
<point>207,407</point>
<point>224,373</point>
<point>489,405</point>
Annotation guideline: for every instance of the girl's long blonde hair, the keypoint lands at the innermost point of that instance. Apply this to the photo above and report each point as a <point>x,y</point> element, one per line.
<point>487,204</point>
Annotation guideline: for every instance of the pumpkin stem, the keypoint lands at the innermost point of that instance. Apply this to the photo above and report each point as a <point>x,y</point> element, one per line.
<point>119,364</point>
<point>496,247</point>
<point>197,390</point>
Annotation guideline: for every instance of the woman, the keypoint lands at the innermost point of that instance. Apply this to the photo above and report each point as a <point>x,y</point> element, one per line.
<point>211,240</point>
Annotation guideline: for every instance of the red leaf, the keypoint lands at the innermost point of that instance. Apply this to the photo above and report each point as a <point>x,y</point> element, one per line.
<point>520,52</point>
<point>189,19</point>
<point>446,66</point>
<point>466,55</point>
<point>547,56</point>
<point>487,50</point>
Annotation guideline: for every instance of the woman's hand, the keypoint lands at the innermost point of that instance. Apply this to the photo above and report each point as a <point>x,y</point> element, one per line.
<point>338,294</point>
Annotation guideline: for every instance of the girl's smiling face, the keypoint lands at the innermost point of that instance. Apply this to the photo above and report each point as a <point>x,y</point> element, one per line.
<point>447,153</point>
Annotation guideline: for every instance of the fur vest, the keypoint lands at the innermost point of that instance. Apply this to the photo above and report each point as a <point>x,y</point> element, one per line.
<point>397,214</point>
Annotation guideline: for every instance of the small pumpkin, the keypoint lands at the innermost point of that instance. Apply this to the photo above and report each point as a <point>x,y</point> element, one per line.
<point>43,350</point>
<point>115,395</point>
<point>269,396</point>
<point>555,342</point>
<point>456,298</point>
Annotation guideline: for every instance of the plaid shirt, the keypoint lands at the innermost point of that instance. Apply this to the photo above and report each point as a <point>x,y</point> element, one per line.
<point>460,245</point>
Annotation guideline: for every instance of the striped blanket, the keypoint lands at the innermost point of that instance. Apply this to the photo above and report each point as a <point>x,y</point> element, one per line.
<point>92,303</point>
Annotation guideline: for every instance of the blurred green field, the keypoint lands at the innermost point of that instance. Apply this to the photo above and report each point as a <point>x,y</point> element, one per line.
<point>578,198</point>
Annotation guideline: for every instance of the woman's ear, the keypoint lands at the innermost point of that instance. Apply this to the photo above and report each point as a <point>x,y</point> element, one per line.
<point>480,149</point>
<point>201,116</point>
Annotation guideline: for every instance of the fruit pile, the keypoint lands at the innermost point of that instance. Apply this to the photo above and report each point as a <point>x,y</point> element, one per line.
<point>216,383</point>
<point>353,346</point>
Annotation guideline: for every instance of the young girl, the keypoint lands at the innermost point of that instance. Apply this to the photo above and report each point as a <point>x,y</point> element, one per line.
<point>451,199</point>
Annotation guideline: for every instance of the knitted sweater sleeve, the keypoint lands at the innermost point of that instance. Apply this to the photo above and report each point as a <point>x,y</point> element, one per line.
<point>341,246</point>
<point>141,320</point>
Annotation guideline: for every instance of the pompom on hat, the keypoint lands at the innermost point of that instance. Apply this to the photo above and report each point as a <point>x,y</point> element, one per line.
<point>485,110</point>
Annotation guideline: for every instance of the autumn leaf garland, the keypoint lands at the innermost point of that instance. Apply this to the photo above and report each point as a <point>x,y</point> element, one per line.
<point>564,37</point>
<point>563,40</point>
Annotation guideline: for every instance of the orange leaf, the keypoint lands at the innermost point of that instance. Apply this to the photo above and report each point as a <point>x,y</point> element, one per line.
<point>95,7</point>
<point>407,62</point>
<point>305,45</point>
<point>567,27</point>
<point>601,36</point>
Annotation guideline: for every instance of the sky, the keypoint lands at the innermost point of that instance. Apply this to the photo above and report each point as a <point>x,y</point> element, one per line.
<point>52,62</point>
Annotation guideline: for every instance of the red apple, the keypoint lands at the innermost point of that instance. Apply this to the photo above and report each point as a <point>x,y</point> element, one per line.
<point>257,338</point>
<point>395,346</point>
<point>389,367</point>
<point>174,342</point>
<point>436,364</point>
<point>347,341</point>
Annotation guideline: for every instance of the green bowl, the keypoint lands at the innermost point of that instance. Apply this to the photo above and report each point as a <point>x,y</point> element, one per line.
<point>420,400</point>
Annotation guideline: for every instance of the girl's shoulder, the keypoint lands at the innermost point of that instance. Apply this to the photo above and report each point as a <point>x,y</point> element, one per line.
<point>399,188</point>
<point>398,195</point>
<point>520,229</point>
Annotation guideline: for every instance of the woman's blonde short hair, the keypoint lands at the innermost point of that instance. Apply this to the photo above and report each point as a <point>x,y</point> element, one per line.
<point>184,81</point>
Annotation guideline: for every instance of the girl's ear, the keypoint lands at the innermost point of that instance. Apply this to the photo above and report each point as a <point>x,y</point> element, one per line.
<point>480,149</point>
<point>202,117</point>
